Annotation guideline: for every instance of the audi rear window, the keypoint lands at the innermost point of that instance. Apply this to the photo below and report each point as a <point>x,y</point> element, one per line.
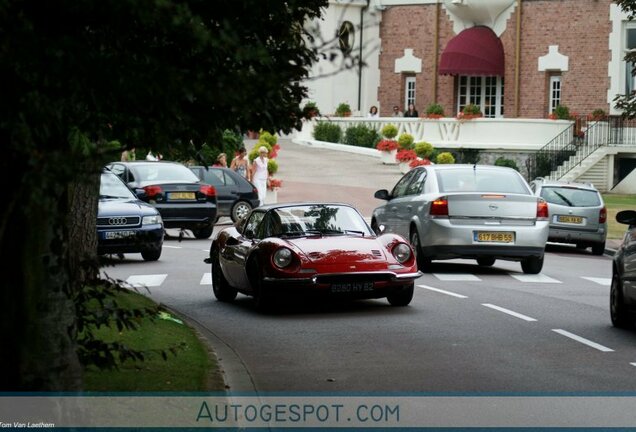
<point>571,197</point>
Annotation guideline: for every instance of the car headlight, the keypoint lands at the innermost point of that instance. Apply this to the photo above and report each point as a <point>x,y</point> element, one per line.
<point>402,253</point>
<point>282,257</point>
<point>151,220</point>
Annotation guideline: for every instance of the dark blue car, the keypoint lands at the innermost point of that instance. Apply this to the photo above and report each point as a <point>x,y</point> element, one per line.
<point>126,224</point>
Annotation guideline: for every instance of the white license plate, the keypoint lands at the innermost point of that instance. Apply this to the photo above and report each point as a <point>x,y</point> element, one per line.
<point>352,287</point>
<point>110,235</point>
<point>578,220</point>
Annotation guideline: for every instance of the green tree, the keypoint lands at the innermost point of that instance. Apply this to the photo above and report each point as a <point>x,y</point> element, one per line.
<point>78,75</point>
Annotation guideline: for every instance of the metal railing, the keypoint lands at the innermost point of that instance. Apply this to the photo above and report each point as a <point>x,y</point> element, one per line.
<point>552,155</point>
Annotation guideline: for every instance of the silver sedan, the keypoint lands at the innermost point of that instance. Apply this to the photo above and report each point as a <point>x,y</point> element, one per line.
<point>479,212</point>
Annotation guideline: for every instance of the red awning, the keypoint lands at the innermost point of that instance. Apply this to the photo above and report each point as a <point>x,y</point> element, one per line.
<point>474,51</point>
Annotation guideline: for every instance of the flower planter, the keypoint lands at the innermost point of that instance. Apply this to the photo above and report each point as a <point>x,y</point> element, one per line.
<point>271,196</point>
<point>388,157</point>
<point>404,167</point>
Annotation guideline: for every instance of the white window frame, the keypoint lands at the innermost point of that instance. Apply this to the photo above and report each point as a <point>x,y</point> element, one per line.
<point>554,93</point>
<point>474,91</point>
<point>629,83</point>
<point>409,91</point>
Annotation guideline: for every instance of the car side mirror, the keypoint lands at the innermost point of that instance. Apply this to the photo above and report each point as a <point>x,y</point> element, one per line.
<point>382,194</point>
<point>627,217</point>
<point>141,193</point>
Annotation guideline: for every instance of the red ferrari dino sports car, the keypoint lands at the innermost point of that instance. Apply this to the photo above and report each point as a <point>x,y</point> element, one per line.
<point>310,248</point>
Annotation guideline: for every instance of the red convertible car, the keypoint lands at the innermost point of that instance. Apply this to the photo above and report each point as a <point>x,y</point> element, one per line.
<point>310,248</point>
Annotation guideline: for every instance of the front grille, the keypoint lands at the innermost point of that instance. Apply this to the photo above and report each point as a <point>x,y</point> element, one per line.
<point>118,221</point>
<point>353,277</point>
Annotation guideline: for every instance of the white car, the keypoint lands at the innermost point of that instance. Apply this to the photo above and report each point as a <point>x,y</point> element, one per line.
<point>480,212</point>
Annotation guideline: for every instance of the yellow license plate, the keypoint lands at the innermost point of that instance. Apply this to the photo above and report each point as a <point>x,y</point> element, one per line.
<point>181,195</point>
<point>494,237</point>
<point>570,219</point>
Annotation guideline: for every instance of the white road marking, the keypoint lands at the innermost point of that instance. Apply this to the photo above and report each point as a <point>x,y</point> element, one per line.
<point>442,291</point>
<point>600,281</point>
<point>583,340</point>
<point>633,364</point>
<point>146,280</point>
<point>509,312</point>
<point>172,247</point>
<point>463,277</point>
<point>534,278</point>
<point>206,279</point>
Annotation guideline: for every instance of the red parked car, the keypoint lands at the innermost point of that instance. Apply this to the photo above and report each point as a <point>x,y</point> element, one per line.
<point>310,248</point>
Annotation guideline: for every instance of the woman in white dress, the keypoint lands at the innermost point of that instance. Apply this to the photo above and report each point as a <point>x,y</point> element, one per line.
<point>260,173</point>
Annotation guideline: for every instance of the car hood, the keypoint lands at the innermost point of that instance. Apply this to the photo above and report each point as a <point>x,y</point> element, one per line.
<point>120,207</point>
<point>340,249</point>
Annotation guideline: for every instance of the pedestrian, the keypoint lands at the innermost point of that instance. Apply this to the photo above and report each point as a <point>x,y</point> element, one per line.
<point>411,112</point>
<point>221,160</point>
<point>260,174</point>
<point>373,112</point>
<point>128,155</point>
<point>397,112</point>
<point>241,164</point>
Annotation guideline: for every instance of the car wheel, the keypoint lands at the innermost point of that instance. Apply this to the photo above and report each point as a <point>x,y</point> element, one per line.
<point>239,210</point>
<point>151,254</point>
<point>221,287</point>
<point>532,265</point>
<point>262,299</point>
<point>423,263</point>
<point>402,297</point>
<point>203,233</point>
<point>598,248</point>
<point>486,261</point>
<point>618,313</point>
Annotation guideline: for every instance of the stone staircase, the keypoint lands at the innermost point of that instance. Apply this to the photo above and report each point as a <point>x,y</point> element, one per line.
<point>586,156</point>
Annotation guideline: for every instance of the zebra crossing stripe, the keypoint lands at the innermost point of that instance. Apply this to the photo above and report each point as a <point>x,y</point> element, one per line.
<point>146,280</point>
<point>600,281</point>
<point>535,278</point>
<point>206,279</point>
<point>457,277</point>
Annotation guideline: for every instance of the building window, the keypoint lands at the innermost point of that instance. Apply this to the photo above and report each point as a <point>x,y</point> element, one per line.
<point>630,44</point>
<point>555,93</point>
<point>409,92</point>
<point>486,92</point>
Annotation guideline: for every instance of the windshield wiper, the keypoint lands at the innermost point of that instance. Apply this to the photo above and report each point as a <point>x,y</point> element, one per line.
<point>567,201</point>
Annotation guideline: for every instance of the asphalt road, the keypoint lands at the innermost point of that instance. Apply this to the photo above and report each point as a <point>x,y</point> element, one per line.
<point>468,329</point>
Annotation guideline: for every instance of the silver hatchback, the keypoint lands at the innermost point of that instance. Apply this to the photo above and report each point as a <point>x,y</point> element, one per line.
<point>480,212</point>
<point>577,213</point>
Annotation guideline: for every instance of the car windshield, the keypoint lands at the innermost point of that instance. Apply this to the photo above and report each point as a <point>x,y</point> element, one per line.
<point>164,172</point>
<point>571,197</point>
<point>481,180</point>
<point>111,187</point>
<point>317,219</point>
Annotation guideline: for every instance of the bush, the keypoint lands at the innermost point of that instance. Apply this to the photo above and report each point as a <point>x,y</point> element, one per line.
<point>343,110</point>
<point>406,141</point>
<point>310,109</point>
<point>562,112</point>
<point>272,166</point>
<point>502,161</point>
<point>389,131</point>
<point>424,149</point>
<point>469,156</point>
<point>362,136</point>
<point>328,132</point>
<point>435,109</point>
<point>471,109</point>
<point>268,138</point>
<point>445,158</point>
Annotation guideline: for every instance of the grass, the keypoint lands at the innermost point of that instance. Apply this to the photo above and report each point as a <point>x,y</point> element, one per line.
<point>614,204</point>
<point>192,369</point>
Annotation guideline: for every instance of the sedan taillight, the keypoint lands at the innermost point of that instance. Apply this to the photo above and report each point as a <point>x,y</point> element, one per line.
<point>153,191</point>
<point>602,215</point>
<point>439,207</point>
<point>542,210</point>
<point>207,190</point>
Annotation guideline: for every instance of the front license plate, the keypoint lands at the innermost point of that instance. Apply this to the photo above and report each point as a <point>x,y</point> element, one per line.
<point>181,195</point>
<point>494,237</point>
<point>570,219</point>
<point>110,235</point>
<point>352,287</point>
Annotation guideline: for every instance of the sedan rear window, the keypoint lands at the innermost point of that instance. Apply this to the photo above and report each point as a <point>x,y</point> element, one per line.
<point>164,172</point>
<point>481,180</point>
<point>571,197</point>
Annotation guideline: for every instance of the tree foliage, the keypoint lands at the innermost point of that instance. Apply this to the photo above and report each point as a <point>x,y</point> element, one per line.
<point>78,77</point>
